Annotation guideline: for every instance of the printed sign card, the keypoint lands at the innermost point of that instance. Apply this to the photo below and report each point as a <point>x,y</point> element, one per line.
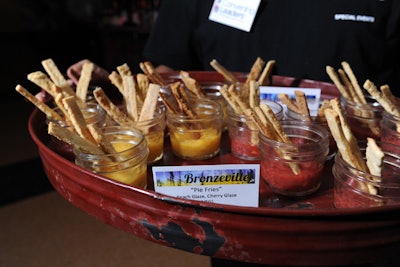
<point>313,95</point>
<point>238,14</point>
<point>231,184</point>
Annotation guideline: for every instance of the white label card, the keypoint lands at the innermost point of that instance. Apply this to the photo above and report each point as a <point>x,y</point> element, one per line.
<point>238,14</point>
<point>231,184</point>
<point>313,95</point>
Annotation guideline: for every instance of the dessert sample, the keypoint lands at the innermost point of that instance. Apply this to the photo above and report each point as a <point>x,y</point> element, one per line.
<point>365,173</point>
<point>195,124</point>
<point>293,153</point>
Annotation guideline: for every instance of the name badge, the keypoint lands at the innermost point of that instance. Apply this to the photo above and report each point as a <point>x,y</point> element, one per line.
<point>238,14</point>
<point>232,184</point>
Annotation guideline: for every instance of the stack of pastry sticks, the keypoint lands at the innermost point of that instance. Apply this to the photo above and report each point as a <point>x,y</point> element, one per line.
<point>87,138</point>
<point>347,84</point>
<point>348,145</point>
<point>260,72</point>
<point>384,97</point>
<point>139,93</point>
<point>269,125</point>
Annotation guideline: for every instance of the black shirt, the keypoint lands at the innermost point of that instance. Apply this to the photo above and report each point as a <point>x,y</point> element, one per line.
<point>302,36</point>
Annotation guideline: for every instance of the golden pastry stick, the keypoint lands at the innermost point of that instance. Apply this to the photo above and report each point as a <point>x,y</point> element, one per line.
<point>374,157</point>
<point>143,83</point>
<point>58,100</point>
<point>167,103</point>
<point>150,103</point>
<point>113,111</point>
<point>57,77</point>
<point>336,80</point>
<point>223,71</point>
<point>286,100</point>
<point>302,105</point>
<point>43,81</point>
<point>349,152</point>
<point>50,113</point>
<point>354,82</point>
<point>259,122</point>
<point>124,70</point>
<point>116,80</point>
<point>263,122</point>
<point>84,81</point>
<point>350,89</point>
<point>387,94</point>
<point>101,139</point>
<point>253,75</point>
<point>386,104</point>
<point>321,111</point>
<point>151,72</point>
<point>191,84</point>
<point>231,101</point>
<point>264,77</point>
<point>130,97</point>
<point>254,94</point>
<point>76,117</point>
<point>232,91</point>
<point>72,138</point>
<point>273,120</point>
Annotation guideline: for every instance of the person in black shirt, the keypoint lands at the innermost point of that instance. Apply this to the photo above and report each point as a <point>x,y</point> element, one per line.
<point>303,37</point>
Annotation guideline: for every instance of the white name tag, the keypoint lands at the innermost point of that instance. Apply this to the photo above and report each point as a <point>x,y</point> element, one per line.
<point>313,95</point>
<point>231,184</point>
<point>238,14</point>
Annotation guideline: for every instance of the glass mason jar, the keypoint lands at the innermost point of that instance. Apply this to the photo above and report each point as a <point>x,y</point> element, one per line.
<point>292,115</point>
<point>363,119</point>
<point>196,138</point>
<point>93,113</point>
<point>352,186</point>
<point>243,132</point>
<point>128,165</point>
<point>295,169</point>
<point>390,125</point>
<point>211,91</point>
<point>154,131</point>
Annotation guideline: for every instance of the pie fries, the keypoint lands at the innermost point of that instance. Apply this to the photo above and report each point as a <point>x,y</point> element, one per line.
<point>348,146</point>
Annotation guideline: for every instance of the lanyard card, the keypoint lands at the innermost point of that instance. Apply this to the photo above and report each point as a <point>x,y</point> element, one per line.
<point>238,14</point>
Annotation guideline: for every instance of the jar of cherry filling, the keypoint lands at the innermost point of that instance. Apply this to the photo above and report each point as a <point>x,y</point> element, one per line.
<point>294,169</point>
<point>354,188</point>
<point>243,132</point>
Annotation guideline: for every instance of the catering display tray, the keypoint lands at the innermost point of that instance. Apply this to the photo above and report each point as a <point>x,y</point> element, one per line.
<point>307,231</point>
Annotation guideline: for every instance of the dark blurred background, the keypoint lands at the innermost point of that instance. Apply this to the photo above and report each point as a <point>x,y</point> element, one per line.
<point>108,32</point>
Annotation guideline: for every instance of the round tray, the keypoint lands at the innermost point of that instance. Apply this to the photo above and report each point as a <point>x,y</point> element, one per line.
<point>308,231</point>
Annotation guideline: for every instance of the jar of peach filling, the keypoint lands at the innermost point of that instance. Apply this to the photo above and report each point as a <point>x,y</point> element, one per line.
<point>154,130</point>
<point>128,165</point>
<point>199,137</point>
<point>93,113</point>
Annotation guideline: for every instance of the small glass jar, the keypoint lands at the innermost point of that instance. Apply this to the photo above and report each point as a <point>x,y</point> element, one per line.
<point>363,119</point>
<point>154,131</point>
<point>211,91</point>
<point>390,125</point>
<point>196,138</point>
<point>292,115</point>
<point>243,132</point>
<point>351,185</point>
<point>128,165</point>
<point>295,169</point>
<point>93,113</point>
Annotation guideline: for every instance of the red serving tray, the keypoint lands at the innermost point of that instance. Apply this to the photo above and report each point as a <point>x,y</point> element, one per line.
<point>308,231</point>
